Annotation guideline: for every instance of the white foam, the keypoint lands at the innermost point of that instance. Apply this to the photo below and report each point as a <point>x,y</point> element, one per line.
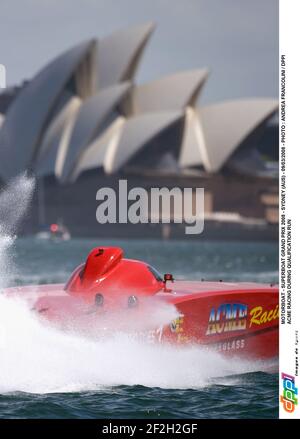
<point>40,359</point>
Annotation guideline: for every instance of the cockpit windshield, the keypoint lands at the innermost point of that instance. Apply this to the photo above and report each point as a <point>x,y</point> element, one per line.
<point>155,273</point>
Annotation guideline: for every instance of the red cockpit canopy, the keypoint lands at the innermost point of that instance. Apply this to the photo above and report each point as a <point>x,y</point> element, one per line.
<point>106,272</point>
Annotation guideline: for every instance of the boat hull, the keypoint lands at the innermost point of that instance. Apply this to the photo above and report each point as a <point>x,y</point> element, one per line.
<point>117,293</point>
<point>233,319</point>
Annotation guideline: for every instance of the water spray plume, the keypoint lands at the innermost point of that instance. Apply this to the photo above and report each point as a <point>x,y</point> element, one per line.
<point>15,199</point>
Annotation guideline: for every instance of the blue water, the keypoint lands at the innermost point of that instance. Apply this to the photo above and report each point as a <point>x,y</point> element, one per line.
<point>45,374</point>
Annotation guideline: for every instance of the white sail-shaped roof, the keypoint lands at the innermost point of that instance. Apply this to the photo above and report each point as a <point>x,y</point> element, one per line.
<point>136,133</point>
<point>193,147</point>
<point>173,92</point>
<point>30,112</point>
<point>93,157</point>
<point>119,54</point>
<point>82,111</point>
<point>56,140</point>
<point>92,115</point>
<point>227,124</point>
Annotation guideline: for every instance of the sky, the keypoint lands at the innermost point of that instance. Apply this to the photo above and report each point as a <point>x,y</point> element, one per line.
<point>237,40</point>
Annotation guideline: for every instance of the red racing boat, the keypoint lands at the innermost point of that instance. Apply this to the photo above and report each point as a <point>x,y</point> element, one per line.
<point>238,319</point>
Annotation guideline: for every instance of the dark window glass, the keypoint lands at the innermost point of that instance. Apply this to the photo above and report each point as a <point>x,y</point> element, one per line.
<point>155,273</point>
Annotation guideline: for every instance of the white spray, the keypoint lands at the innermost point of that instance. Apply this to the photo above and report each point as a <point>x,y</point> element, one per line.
<point>15,199</point>
<point>37,358</point>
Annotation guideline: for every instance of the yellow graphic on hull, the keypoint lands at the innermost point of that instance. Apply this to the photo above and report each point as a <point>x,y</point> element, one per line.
<point>176,326</point>
<point>258,316</point>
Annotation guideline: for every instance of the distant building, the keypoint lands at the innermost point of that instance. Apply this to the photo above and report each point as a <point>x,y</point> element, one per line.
<point>82,122</point>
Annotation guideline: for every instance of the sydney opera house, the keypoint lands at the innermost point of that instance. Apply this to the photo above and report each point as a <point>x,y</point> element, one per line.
<point>82,122</point>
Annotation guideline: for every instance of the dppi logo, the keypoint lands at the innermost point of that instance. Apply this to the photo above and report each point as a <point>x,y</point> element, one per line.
<point>288,399</point>
<point>227,317</point>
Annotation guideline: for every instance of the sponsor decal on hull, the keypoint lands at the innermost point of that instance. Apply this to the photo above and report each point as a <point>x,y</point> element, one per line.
<point>260,316</point>
<point>233,345</point>
<point>227,317</point>
<point>176,327</point>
